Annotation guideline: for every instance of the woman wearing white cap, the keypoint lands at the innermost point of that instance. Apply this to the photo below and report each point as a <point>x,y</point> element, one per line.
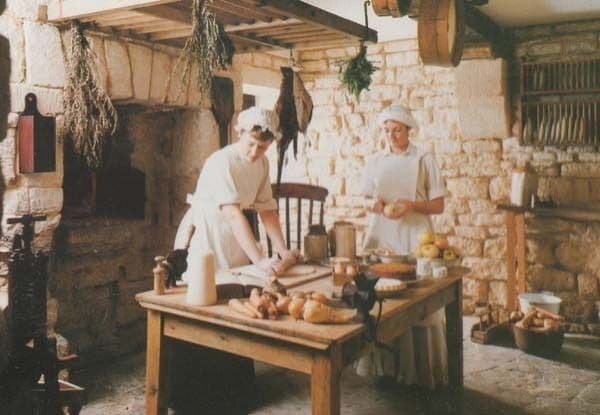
<point>411,178</point>
<point>232,179</point>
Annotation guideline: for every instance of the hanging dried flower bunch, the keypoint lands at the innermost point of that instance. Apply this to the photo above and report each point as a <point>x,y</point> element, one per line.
<point>90,117</point>
<point>208,47</point>
<point>355,74</point>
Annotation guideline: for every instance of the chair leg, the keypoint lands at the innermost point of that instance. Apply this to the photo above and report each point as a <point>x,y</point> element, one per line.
<point>74,409</point>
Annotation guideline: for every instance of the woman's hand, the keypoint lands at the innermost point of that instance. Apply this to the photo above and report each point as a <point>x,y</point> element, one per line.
<point>398,209</point>
<point>269,266</point>
<point>375,205</point>
<point>289,257</point>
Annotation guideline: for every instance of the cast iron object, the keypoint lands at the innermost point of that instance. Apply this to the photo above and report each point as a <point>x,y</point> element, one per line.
<point>544,344</point>
<point>177,264</point>
<point>361,295</point>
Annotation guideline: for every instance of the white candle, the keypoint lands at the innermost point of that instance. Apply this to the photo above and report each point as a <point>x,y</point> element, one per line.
<point>201,279</point>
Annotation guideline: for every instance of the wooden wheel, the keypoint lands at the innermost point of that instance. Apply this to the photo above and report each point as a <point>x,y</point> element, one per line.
<point>441,30</point>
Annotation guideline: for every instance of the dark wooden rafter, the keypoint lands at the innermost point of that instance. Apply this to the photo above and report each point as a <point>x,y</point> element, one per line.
<point>500,39</point>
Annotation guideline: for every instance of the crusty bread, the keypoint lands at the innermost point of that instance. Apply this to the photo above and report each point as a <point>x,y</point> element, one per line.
<point>393,270</point>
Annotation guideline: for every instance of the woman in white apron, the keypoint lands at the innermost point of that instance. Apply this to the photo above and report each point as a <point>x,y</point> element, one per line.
<point>233,178</point>
<point>404,174</point>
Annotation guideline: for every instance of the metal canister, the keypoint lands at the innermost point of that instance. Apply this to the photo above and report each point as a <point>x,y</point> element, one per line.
<point>315,243</point>
<point>345,240</point>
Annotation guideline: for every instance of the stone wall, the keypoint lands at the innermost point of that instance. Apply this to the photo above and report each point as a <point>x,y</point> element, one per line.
<point>469,118</point>
<point>99,264</point>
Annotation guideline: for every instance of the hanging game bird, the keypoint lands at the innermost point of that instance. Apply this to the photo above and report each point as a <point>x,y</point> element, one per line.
<point>294,110</point>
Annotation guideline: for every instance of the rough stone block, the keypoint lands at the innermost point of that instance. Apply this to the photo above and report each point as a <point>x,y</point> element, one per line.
<point>495,248</point>
<point>119,70</point>
<point>481,165</point>
<point>141,68</point>
<point>485,268</point>
<point>383,93</point>
<point>482,146</point>
<point>498,292</point>
<point>8,153</point>
<point>408,58</point>
<point>580,170</point>
<point>484,117</point>
<point>44,58</point>
<point>540,251</point>
<point>587,285</point>
<point>24,9</point>
<point>12,30</point>
<point>354,121</point>
<point>499,188</point>
<point>571,256</point>
<point>544,278</point>
<point>400,46</point>
<point>46,200</point>
<point>542,49</point>
<point>475,78</point>
<point>50,101</point>
<point>466,246</point>
<point>468,188</point>
<point>16,202</point>
<point>447,147</point>
<point>471,232</point>
<point>161,72</point>
<point>456,205</point>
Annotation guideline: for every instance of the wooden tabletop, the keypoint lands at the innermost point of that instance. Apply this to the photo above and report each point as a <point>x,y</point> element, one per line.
<point>286,328</point>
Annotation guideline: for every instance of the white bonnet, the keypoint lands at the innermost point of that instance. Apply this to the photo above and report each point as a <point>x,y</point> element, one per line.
<point>257,117</point>
<point>399,113</point>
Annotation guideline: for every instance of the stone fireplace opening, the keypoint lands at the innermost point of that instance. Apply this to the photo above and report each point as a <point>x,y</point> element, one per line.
<point>115,220</point>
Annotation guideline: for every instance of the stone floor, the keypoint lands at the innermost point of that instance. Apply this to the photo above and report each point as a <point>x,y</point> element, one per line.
<point>498,380</point>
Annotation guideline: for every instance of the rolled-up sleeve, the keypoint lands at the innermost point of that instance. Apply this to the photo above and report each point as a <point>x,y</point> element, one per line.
<point>222,182</point>
<point>434,181</point>
<point>264,198</point>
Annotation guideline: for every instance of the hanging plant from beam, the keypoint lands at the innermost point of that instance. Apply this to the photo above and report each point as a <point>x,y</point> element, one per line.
<point>90,117</point>
<point>355,74</point>
<point>208,47</point>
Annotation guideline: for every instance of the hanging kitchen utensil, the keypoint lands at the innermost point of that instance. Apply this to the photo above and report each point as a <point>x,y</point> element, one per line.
<point>285,109</point>
<point>441,31</point>
<point>222,106</point>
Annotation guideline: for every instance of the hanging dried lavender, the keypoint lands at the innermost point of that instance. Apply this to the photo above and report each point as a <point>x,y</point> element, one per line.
<point>208,47</point>
<point>90,117</point>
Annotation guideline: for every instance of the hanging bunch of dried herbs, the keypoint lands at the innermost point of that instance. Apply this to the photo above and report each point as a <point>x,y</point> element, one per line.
<point>208,48</point>
<point>355,74</point>
<point>90,117</point>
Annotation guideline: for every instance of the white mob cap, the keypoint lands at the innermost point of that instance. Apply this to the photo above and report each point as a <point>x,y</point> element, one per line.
<point>398,113</point>
<point>257,117</point>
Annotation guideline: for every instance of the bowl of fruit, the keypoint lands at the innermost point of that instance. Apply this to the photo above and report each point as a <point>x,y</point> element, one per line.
<point>435,251</point>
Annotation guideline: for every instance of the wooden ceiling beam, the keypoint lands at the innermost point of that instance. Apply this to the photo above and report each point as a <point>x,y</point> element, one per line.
<point>62,10</point>
<point>278,23</point>
<point>169,13</point>
<point>172,34</point>
<point>261,41</point>
<point>323,18</point>
<point>500,39</point>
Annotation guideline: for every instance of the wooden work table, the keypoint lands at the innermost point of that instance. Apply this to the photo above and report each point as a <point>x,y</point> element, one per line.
<point>318,350</point>
<point>515,241</point>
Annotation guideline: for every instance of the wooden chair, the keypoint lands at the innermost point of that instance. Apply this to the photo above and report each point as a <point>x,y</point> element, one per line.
<point>299,192</point>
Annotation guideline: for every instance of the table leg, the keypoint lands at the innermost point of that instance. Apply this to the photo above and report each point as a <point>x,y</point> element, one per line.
<point>325,382</point>
<point>520,231</point>
<point>454,334</point>
<point>511,242</point>
<point>155,365</point>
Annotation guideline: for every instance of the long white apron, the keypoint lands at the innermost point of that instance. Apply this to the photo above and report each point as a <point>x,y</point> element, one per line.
<point>395,179</point>
<point>419,355</point>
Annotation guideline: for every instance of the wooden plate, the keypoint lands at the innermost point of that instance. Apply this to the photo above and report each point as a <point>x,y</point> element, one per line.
<point>298,271</point>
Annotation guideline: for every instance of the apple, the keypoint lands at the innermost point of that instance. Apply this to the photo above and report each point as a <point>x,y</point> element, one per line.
<point>441,243</point>
<point>390,210</point>
<point>449,254</point>
<point>430,251</point>
<point>426,238</point>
